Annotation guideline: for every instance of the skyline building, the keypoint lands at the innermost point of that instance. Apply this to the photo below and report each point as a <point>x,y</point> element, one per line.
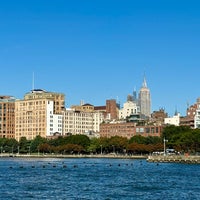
<point>39,113</point>
<point>7,117</point>
<point>84,121</point>
<point>112,109</point>
<point>129,108</point>
<point>43,113</point>
<point>135,95</point>
<point>144,99</point>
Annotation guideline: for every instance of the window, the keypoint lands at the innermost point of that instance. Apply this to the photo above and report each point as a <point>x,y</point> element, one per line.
<point>141,130</point>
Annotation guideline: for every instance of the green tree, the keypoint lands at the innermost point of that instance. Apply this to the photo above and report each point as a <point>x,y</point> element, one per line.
<point>24,145</point>
<point>82,140</point>
<point>153,140</point>
<point>182,138</point>
<point>71,148</point>
<point>138,139</point>
<point>118,144</point>
<point>10,145</point>
<point>34,146</point>
<point>94,146</point>
<point>44,148</point>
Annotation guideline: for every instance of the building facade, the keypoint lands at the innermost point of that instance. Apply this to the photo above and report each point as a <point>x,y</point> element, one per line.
<point>192,116</point>
<point>175,120</point>
<point>128,130</point>
<point>197,117</point>
<point>144,99</point>
<point>7,117</point>
<point>158,117</point>
<point>112,109</point>
<point>39,113</point>
<point>83,107</point>
<point>81,122</point>
<point>129,108</point>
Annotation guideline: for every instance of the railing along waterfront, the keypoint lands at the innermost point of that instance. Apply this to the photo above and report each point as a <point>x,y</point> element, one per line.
<point>41,155</point>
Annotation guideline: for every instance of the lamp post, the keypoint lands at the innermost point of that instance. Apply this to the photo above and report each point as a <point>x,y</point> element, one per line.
<point>113,149</point>
<point>12,150</point>
<point>101,149</point>
<point>164,140</point>
<point>1,150</point>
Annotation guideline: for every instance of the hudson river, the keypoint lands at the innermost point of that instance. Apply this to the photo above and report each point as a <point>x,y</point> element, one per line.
<point>98,179</point>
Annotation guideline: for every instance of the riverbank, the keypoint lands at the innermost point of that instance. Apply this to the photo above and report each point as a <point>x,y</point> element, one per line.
<point>175,159</point>
<point>113,156</point>
<point>156,158</point>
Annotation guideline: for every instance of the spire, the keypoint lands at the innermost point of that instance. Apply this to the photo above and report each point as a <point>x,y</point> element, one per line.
<point>134,90</point>
<point>33,82</point>
<point>134,94</point>
<point>176,112</point>
<point>144,84</point>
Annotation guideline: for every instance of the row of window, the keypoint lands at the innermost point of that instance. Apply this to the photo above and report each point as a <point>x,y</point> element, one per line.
<point>137,130</point>
<point>32,103</point>
<point>29,129</point>
<point>83,119</point>
<point>31,125</point>
<point>78,127</point>
<point>29,121</point>
<point>51,129</point>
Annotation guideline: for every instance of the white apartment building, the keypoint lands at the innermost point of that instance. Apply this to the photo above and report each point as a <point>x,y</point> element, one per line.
<point>128,109</point>
<point>175,120</point>
<point>98,118</point>
<point>197,117</point>
<point>54,121</point>
<point>79,122</point>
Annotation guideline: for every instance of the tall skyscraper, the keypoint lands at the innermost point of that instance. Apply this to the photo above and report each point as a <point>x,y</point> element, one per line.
<point>135,95</point>
<point>145,99</point>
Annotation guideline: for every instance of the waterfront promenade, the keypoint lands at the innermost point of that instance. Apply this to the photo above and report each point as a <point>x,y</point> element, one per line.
<point>152,158</point>
<point>113,156</point>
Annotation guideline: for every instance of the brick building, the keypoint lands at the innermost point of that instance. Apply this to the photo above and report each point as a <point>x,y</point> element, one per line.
<point>112,108</point>
<point>7,117</point>
<point>128,130</point>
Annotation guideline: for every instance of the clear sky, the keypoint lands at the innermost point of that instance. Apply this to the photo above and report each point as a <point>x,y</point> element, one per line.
<point>94,50</point>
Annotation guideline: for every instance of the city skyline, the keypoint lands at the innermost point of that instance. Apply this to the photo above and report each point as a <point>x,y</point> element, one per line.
<point>94,51</point>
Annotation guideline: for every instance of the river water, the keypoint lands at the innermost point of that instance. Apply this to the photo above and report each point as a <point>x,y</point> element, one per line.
<point>98,179</point>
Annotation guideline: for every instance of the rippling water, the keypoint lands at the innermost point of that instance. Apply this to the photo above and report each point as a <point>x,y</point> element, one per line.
<point>102,179</point>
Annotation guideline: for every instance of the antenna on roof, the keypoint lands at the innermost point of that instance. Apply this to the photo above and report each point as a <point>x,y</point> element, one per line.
<point>33,82</point>
<point>188,105</point>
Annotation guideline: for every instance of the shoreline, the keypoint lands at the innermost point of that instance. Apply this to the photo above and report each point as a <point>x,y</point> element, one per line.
<point>153,159</point>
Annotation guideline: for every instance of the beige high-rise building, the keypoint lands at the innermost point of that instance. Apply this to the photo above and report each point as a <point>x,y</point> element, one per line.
<point>58,98</point>
<point>83,108</point>
<point>82,121</point>
<point>39,113</point>
<point>7,117</point>
<point>145,99</point>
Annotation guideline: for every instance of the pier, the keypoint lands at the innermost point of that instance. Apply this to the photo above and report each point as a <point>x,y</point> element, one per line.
<point>174,159</point>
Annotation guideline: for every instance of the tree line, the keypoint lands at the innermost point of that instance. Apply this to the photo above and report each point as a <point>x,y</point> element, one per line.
<point>182,139</point>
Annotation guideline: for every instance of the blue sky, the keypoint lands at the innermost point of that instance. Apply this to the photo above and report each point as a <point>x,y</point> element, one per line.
<point>97,50</point>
